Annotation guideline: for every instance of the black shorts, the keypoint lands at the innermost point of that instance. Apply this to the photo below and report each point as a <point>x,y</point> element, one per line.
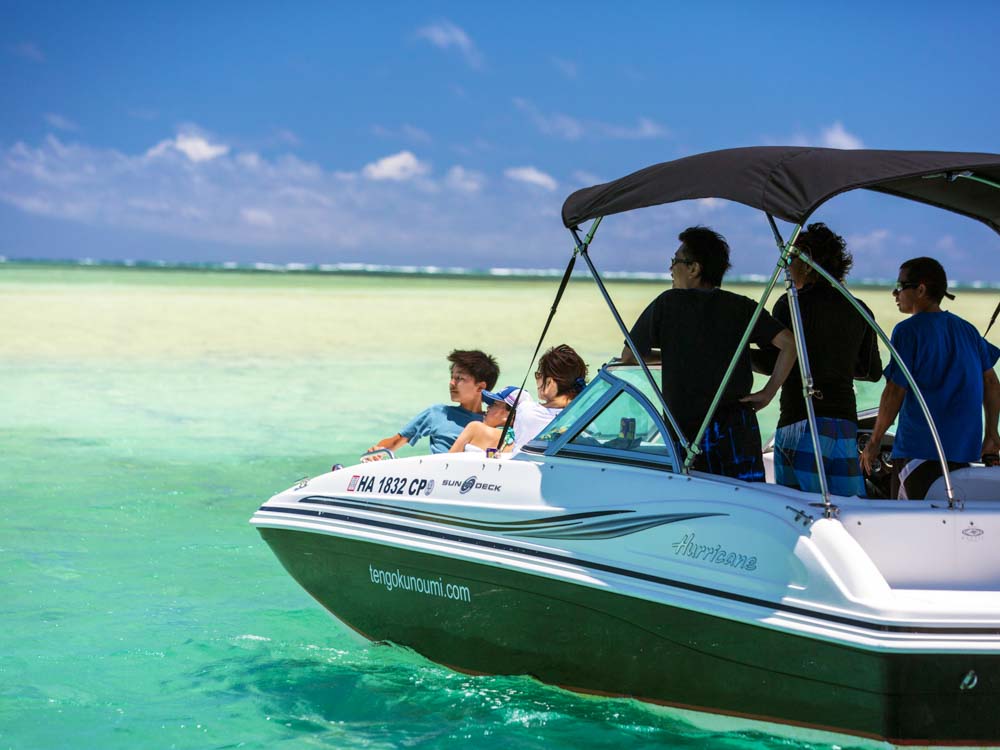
<point>912,477</point>
<point>731,445</point>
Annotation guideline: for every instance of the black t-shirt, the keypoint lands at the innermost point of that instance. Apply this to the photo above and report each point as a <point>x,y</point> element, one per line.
<point>841,348</point>
<point>697,332</point>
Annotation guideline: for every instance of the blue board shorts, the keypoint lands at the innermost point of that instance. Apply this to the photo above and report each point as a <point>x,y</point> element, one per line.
<point>795,461</point>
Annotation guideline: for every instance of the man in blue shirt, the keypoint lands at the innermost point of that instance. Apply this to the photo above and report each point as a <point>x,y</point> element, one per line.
<point>472,372</point>
<point>953,366</point>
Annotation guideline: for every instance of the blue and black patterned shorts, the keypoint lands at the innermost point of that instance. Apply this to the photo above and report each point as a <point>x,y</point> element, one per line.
<point>795,461</point>
<point>731,445</point>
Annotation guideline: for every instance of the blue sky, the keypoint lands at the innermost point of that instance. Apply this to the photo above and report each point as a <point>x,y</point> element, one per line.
<point>450,133</point>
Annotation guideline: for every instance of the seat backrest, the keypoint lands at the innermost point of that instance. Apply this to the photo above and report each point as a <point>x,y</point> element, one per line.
<point>973,483</point>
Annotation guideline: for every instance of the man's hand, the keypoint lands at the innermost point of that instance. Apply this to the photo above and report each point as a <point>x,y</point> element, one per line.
<point>868,456</point>
<point>888,407</point>
<point>759,399</point>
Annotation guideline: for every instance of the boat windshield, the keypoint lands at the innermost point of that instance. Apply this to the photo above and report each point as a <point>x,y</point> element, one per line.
<point>613,418</point>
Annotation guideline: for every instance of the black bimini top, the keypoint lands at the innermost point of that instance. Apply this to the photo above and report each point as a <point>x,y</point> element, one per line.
<point>791,182</point>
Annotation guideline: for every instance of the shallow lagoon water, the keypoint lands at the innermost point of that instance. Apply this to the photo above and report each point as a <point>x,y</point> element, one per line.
<point>145,414</point>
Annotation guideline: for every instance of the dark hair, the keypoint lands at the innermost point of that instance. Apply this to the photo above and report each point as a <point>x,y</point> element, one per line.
<point>828,249</point>
<point>479,365</point>
<point>566,367</point>
<point>930,273</point>
<point>711,251</point>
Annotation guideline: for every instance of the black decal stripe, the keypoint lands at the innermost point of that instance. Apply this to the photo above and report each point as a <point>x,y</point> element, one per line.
<point>778,607</point>
<point>571,519</point>
<point>615,528</point>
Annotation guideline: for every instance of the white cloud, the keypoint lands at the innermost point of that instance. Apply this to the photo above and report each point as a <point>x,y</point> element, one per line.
<point>946,244</point>
<point>644,128</point>
<point>251,206</point>
<point>153,206</point>
<point>873,241</point>
<point>27,51</point>
<point>573,129</point>
<point>832,136</point>
<point>397,167</point>
<point>446,35</point>
<point>531,176</point>
<point>836,136</point>
<point>562,126</point>
<point>257,217</point>
<point>464,180</point>
<point>195,147</point>
<point>710,204</point>
<point>249,159</point>
<point>61,123</point>
<point>275,208</point>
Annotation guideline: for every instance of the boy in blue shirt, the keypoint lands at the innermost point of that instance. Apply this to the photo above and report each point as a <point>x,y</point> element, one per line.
<point>472,372</point>
<point>953,366</point>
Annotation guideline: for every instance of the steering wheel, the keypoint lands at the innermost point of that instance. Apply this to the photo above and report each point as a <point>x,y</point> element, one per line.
<point>877,483</point>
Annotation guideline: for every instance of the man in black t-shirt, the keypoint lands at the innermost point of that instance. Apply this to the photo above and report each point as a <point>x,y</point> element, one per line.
<point>697,327</point>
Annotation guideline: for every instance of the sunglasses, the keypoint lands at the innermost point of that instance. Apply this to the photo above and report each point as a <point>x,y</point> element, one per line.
<point>901,285</point>
<point>677,259</point>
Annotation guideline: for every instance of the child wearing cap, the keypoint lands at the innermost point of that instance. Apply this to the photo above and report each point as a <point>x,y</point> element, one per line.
<point>561,376</point>
<point>478,436</point>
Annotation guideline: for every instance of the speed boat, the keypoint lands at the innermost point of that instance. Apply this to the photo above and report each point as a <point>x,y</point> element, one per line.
<point>597,560</point>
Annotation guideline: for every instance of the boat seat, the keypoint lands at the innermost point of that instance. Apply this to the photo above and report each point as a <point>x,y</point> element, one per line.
<point>973,483</point>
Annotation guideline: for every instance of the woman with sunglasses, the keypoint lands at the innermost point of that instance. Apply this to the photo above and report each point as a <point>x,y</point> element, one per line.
<point>953,367</point>
<point>561,375</point>
<point>841,348</point>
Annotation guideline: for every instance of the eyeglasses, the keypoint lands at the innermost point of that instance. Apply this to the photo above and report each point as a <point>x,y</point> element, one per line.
<point>901,285</point>
<point>677,259</point>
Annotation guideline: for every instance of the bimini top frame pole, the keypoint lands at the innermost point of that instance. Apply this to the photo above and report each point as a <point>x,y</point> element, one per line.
<point>808,391</point>
<point>915,389</point>
<point>791,183</point>
<point>694,447</point>
<point>581,250</point>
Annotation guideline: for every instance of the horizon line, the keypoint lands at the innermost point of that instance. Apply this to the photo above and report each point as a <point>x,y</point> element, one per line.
<point>437,271</point>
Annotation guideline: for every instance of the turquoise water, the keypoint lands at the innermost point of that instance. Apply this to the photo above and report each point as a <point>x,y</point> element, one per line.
<point>140,609</point>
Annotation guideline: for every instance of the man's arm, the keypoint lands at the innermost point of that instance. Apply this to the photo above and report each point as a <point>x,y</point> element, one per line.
<point>991,407</point>
<point>627,358</point>
<point>869,364</point>
<point>393,443</point>
<point>785,343</point>
<point>888,409</point>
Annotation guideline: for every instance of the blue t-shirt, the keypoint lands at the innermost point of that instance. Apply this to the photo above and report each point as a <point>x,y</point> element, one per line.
<point>441,423</point>
<point>947,358</point>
